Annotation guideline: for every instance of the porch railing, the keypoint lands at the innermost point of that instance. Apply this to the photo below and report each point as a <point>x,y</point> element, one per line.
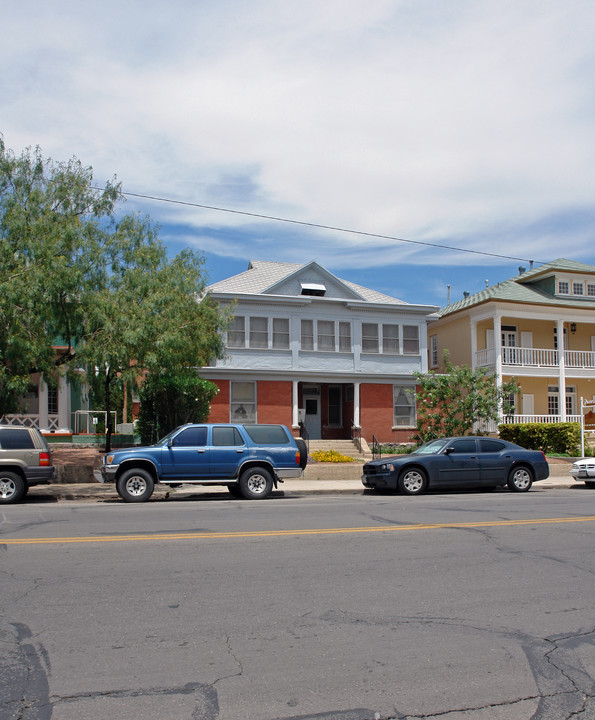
<point>30,421</point>
<point>536,357</point>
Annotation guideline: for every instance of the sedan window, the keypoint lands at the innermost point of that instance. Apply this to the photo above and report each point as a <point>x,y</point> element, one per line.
<point>486,445</point>
<point>463,446</point>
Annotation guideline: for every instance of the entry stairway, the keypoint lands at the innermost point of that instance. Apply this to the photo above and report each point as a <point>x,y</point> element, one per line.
<point>345,447</point>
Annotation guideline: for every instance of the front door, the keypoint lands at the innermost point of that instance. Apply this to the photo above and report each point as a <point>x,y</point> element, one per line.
<point>312,417</point>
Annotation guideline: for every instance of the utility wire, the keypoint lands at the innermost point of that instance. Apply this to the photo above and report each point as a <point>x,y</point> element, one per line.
<point>322,227</point>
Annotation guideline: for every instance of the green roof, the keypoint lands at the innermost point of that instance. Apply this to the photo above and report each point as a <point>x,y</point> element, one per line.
<point>521,289</point>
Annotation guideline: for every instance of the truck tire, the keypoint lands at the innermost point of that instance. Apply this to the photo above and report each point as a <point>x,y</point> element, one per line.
<point>303,448</point>
<point>135,485</point>
<point>12,487</point>
<point>256,483</point>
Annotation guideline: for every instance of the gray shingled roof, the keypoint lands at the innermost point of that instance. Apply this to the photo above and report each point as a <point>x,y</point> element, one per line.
<point>262,275</point>
<point>519,289</point>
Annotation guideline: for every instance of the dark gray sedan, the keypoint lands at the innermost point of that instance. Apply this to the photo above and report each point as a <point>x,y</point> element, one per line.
<point>460,462</point>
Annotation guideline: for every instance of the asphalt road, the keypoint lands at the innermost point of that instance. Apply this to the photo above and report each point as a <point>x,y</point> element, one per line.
<point>362,607</point>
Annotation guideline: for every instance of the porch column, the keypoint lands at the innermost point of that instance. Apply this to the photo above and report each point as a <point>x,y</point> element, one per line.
<point>561,371</point>
<point>63,404</point>
<point>473,344</point>
<point>356,408</point>
<point>295,420</point>
<point>498,357</point>
<point>44,421</point>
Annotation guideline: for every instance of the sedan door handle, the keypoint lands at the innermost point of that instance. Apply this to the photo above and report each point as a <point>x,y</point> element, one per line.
<point>240,450</point>
<point>200,450</point>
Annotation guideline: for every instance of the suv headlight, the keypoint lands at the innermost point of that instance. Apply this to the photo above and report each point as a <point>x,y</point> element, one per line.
<point>387,467</point>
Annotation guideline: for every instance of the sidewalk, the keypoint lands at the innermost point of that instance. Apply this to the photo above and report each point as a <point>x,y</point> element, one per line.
<point>318,478</point>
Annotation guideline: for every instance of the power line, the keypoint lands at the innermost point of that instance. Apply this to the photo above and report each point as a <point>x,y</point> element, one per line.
<point>320,226</point>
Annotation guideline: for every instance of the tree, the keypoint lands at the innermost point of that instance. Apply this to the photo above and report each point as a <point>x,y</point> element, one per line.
<point>452,402</point>
<point>168,400</point>
<point>51,231</point>
<point>103,285</point>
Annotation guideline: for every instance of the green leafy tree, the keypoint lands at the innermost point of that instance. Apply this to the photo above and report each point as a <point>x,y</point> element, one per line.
<point>171,399</point>
<point>452,402</point>
<point>52,226</point>
<point>101,288</point>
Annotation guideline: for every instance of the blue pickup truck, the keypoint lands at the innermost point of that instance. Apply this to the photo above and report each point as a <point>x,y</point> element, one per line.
<point>248,459</point>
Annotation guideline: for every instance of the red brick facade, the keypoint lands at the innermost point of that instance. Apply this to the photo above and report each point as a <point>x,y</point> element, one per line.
<point>274,405</point>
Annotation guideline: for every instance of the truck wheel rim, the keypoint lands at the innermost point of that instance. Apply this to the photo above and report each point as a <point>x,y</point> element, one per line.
<point>136,485</point>
<point>257,484</point>
<point>7,489</point>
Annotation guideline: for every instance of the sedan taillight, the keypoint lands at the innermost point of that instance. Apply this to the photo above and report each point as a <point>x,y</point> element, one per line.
<point>45,458</point>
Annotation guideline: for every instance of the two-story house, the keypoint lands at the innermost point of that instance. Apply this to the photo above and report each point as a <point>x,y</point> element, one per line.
<point>537,327</point>
<point>308,349</point>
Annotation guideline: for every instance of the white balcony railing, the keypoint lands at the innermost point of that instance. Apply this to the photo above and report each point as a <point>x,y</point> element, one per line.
<point>536,357</point>
<point>30,421</point>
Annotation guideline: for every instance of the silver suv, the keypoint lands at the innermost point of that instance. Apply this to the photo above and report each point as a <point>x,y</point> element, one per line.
<point>25,460</point>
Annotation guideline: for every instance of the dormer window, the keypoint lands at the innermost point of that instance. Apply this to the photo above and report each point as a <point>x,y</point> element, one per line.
<point>313,289</point>
<point>577,288</point>
<point>563,287</point>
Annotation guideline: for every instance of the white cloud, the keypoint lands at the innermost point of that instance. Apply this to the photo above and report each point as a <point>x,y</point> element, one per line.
<point>461,123</point>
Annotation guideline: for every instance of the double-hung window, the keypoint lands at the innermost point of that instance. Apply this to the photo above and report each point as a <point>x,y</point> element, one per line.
<point>411,339</point>
<point>390,339</point>
<point>259,332</point>
<point>325,335</point>
<point>236,335</point>
<point>370,342</point>
<point>404,405</point>
<point>281,333</point>
<point>242,406</point>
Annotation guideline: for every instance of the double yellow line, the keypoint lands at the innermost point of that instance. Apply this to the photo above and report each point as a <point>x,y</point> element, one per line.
<point>287,533</point>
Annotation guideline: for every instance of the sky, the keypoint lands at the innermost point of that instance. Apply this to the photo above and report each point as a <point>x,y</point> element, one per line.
<point>464,124</point>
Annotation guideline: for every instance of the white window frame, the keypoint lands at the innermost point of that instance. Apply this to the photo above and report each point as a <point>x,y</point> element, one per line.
<point>317,332</point>
<point>242,409</point>
<point>578,288</point>
<point>258,338</point>
<point>400,392</point>
<point>237,327</point>
<point>407,340</point>
<point>281,336</point>
<point>563,287</point>
<point>434,351</point>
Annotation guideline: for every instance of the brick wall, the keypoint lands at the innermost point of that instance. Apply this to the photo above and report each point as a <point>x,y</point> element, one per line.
<point>220,403</point>
<point>273,402</point>
<point>376,415</point>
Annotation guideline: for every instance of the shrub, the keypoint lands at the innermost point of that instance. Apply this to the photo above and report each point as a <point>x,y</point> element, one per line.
<point>559,438</point>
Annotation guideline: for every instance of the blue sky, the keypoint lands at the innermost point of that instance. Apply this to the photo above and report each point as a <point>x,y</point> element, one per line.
<point>468,123</point>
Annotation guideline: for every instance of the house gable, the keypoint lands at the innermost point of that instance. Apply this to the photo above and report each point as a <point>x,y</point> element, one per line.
<point>314,280</point>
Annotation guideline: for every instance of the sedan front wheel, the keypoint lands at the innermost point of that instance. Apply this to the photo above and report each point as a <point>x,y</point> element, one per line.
<point>413,481</point>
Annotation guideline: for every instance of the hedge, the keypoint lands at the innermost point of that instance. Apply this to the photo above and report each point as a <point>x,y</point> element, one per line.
<point>559,438</point>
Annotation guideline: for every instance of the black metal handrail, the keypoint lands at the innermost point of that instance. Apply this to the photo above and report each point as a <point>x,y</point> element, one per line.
<point>376,447</point>
<point>356,436</point>
<point>305,435</point>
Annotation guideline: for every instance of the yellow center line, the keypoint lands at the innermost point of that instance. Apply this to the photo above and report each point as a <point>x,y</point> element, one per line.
<point>281,533</point>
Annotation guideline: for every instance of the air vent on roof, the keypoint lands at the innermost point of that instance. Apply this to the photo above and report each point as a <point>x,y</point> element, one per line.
<point>313,289</point>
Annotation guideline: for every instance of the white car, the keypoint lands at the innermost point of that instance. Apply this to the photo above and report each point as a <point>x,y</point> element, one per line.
<point>584,470</point>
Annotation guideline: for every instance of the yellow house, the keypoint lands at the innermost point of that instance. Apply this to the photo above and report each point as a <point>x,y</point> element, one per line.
<point>537,327</point>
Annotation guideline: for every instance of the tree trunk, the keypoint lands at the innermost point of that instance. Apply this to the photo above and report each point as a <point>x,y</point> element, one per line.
<point>108,420</point>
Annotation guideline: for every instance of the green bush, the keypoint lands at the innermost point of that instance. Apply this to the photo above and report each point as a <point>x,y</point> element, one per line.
<point>557,438</point>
